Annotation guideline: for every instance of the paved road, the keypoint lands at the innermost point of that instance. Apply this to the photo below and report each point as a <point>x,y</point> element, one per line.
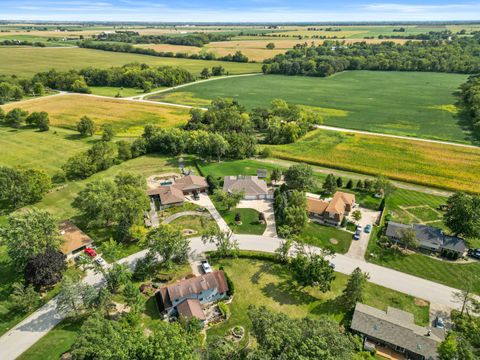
<point>357,176</point>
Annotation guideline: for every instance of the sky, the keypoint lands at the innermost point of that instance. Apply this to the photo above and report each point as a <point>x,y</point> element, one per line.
<point>239,11</point>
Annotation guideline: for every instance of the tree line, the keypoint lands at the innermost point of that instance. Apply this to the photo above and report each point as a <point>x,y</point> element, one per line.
<point>195,39</point>
<point>470,93</point>
<point>21,43</point>
<point>459,55</point>
<point>130,75</point>
<point>14,89</point>
<point>128,48</point>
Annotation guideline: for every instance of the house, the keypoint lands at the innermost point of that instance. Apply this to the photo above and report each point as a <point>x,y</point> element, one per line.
<point>74,240</point>
<point>186,297</point>
<point>395,330</point>
<point>262,173</point>
<point>331,212</point>
<point>430,238</point>
<point>167,196</point>
<point>253,187</point>
<point>191,184</point>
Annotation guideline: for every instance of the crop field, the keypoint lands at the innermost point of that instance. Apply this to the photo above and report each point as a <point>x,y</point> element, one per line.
<point>400,103</point>
<point>424,163</point>
<point>42,150</point>
<point>27,61</point>
<point>127,117</point>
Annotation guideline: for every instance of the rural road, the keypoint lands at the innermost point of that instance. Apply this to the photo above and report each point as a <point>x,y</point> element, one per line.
<point>25,334</point>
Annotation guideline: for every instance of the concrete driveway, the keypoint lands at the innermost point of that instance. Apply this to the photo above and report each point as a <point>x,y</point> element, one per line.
<point>204,201</point>
<point>266,207</point>
<point>358,248</point>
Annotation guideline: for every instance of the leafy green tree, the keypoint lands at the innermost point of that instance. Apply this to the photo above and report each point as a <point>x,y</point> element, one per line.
<point>24,298</point>
<point>16,118</point>
<point>408,238</point>
<point>383,186</point>
<point>296,218</point>
<point>168,243</point>
<point>447,350</point>
<point>205,73</point>
<point>349,184</point>
<point>86,126</point>
<point>330,184</point>
<point>463,215</point>
<point>228,200</point>
<point>355,288</point>
<point>357,215</point>
<point>282,253</point>
<point>117,276</point>
<point>45,269</point>
<point>225,243</point>
<point>97,198</point>
<point>133,297</point>
<point>29,233</point>
<point>107,132</point>
<point>80,86</point>
<point>2,115</point>
<point>69,298</point>
<point>339,182</point>
<point>310,269</point>
<point>276,175</point>
<point>39,120</point>
<point>300,177</point>
<point>111,249</point>
<point>38,89</point>
<point>124,149</point>
<point>218,70</point>
<point>270,46</point>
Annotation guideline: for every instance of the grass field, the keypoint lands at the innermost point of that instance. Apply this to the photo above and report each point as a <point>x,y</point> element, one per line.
<point>266,283</point>
<point>114,91</point>
<point>26,62</point>
<point>324,236</point>
<point>437,165</point>
<point>401,103</point>
<point>42,150</point>
<point>127,117</point>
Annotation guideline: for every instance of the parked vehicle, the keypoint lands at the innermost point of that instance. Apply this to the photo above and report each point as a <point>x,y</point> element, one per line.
<point>359,227</point>
<point>356,236</point>
<point>332,265</point>
<point>206,267</point>
<point>368,228</point>
<point>474,253</point>
<point>439,323</point>
<point>99,260</point>
<point>196,196</point>
<point>90,252</point>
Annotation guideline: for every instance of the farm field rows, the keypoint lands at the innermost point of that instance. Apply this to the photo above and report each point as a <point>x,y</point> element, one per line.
<point>400,103</point>
<point>27,61</point>
<point>127,117</point>
<point>430,164</point>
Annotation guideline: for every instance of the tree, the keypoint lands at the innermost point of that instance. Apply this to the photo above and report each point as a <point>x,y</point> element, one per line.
<point>218,70</point>
<point>270,46</point>
<point>339,182</point>
<point>16,118</point>
<point>29,233</point>
<point>276,175</point>
<point>38,89</point>
<point>408,238</point>
<point>447,350</point>
<point>2,115</point>
<point>330,184</point>
<point>133,297</point>
<point>110,248</point>
<point>309,269</point>
<point>228,200</point>
<point>107,132</point>
<point>39,120</point>
<point>282,253</point>
<point>86,126</point>
<point>463,215</point>
<point>117,276</point>
<point>354,290</point>
<point>238,218</point>
<point>225,243</point>
<point>97,198</point>
<point>359,185</point>
<point>69,300</point>
<point>465,296</point>
<point>168,243</point>
<point>357,215</point>
<point>296,218</point>
<point>45,269</point>
<point>24,298</point>
<point>383,186</point>
<point>299,177</point>
<point>205,73</point>
<point>124,150</point>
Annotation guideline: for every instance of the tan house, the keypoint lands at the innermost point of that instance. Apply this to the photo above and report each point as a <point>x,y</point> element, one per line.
<point>252,187</point>
<point>331,212</point>
<point>191,184</point>
<point>167,196</point>
<point>74,239</point>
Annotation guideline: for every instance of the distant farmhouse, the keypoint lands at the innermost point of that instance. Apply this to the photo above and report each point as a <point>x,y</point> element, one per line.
<point>393,332</point>
<point>172,195</point>
<point>331,212</point>
<point>75,241</point>
<point>185,298</point>
<point>430,239</point>
<point>253,187</point>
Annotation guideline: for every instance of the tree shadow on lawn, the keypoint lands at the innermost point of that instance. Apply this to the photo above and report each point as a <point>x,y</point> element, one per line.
<point>463,119</point>
<point>286,293</point>
<point>264,268</point>
<point>330,307</point>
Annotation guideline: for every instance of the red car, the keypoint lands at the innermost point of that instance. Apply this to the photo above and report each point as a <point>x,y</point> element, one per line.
<point>90,252</point>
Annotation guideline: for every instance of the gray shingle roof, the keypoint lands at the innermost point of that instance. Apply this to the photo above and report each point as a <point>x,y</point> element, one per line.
<point>250,185</point>
<point>395,327</point>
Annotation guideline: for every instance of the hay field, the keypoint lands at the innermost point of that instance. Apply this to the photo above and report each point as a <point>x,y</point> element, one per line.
<point>430,164</point>
<point>127,117</point>
<point>26,62</point>
<point>401,103</point>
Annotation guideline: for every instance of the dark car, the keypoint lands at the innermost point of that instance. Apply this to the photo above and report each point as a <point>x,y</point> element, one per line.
<point>474,253</point>
<point>356,236</point>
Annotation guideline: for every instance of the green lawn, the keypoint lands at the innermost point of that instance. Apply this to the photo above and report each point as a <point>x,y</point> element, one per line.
<point>249,218</point>
<point>113,91</point>
<point>262,282</point>
<point>403,103</point>
<point>326,237</point>
<point>197,223</point>
<point>55,343</point>
<point>45,150</point>
<point>27,61</point>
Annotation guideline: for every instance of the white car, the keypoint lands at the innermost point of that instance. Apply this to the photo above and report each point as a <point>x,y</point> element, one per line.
<point>206,267</point>
<point>359,227</point>
<point>100,261</point>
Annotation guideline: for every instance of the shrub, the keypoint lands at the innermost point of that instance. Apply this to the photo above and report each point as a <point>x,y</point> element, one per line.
<point>231,286</point>
<point>265,153</point>
<point>224,310</point>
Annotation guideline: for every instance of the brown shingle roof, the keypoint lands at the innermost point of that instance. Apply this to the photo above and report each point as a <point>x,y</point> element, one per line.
<point>191,308</point>
<point>184,288</point>
<point>73,237</point>
<point>168,195</point>
<point>316,206</point>
<point>191,182</point>
<point>339,201</point>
